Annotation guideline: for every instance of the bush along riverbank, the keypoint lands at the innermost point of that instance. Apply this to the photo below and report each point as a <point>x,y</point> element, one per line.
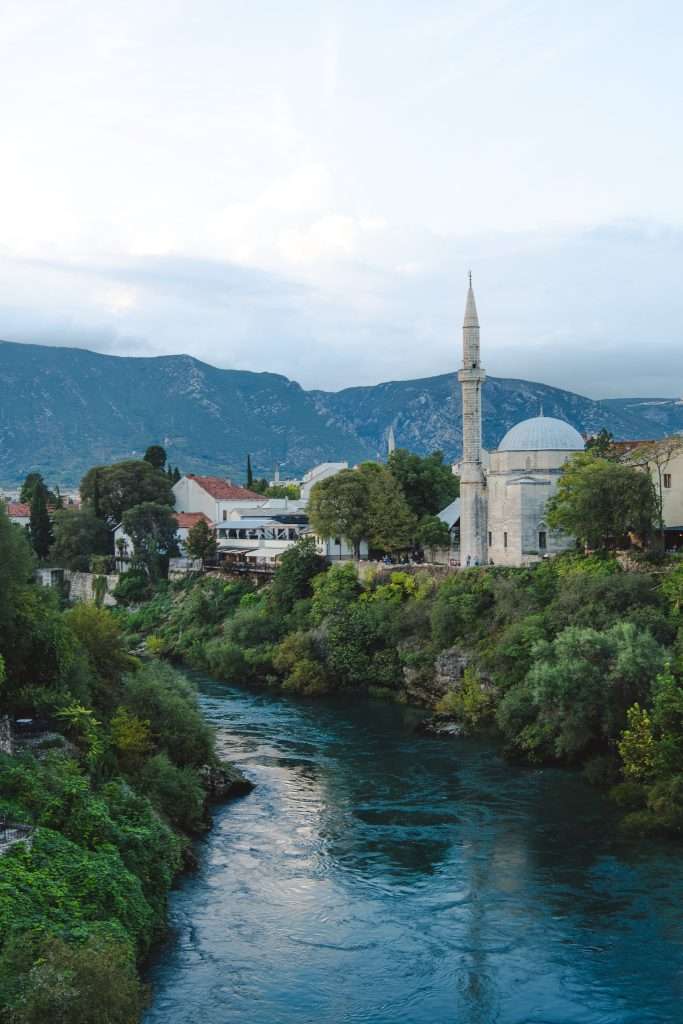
<point>573,661</point>
<point>112,781</point>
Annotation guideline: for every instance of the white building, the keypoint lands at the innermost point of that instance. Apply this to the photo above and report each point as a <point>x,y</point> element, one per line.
<point>503,494</point>
<point>215,497</point>
<point>318,473</point>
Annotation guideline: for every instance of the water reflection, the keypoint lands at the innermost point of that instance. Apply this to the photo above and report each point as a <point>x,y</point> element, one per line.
<point>375,876</point>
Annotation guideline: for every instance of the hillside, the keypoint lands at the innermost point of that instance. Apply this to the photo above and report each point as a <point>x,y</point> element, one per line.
<point>63,409</point>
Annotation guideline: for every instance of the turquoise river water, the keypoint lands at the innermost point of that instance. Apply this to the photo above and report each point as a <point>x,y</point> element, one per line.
<point>378,877</point>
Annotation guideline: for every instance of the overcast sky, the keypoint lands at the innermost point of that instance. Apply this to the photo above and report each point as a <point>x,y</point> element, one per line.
<point>301,187</point>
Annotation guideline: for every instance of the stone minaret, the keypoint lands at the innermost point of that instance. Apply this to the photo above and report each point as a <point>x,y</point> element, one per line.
<point>473,525</point>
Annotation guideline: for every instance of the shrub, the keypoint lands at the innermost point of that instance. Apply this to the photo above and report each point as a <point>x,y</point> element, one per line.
<point>88,982</point>
<point>470,704</point>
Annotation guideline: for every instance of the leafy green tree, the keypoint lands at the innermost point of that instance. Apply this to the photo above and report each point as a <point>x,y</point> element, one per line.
<point>158,694</point>
<point>40,526</point>
<point>201,542</point>
<point>16,566</point>
<point>78,535</point>
<point>176,475</point>
<point>601,445</point>
<point>100,637</point>
<point>432,532</point>
<point>282,491</point>
<point>32,482</point>
<point>293,579</point>
<point>578,690</point>
<point>153,530</point>
<point>334,591</point>
<point>390,521</point>
<point>601,502</point>
<point>156,456</point>
<point>428,482</point>
<point>637,745</point>
<point>112,490</point>
<point>340,506</point>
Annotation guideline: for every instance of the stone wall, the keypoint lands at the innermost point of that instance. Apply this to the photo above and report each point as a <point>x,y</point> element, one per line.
<point>82,586</point>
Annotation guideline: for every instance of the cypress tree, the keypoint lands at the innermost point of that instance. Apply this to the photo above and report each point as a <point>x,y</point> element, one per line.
<point>40,527</point>
<point>250,474</point>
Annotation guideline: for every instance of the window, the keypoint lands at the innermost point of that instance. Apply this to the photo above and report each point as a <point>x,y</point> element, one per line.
<point>505,540</point>
<point>490,539</point>
<point>667,479</point>
<point>542,540</point>
<point>225,515</point>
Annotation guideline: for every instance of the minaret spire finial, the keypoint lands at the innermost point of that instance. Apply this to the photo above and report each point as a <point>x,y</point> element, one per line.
<point>470,276</point>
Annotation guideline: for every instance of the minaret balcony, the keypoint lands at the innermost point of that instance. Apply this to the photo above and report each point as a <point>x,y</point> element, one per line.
<point>473,374</point>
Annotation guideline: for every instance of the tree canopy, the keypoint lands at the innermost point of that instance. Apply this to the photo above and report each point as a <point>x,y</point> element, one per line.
<point>601,502</point>
<point>152,528</point>
<point>201,542</point>
<point>40,525</point>
<point>339,506</point>
<point>78,534</point>
<point>156,456</point>
<point>427,481</point>
<point>110,490</point>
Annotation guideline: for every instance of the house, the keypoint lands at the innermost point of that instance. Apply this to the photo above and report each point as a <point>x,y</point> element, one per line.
<point>214,497</point>
<point>18,513</point>
<point>318,473</point>
<point>664,460</point>
<point>337,549</point>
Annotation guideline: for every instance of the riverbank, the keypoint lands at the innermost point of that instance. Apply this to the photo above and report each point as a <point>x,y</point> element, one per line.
<point>574,661</point>
<point>105,780</point>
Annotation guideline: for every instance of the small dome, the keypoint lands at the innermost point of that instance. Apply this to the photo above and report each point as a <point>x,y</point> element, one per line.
<point>542,434</point>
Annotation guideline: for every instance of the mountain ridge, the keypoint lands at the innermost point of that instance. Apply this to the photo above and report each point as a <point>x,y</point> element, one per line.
<point>64,409</point>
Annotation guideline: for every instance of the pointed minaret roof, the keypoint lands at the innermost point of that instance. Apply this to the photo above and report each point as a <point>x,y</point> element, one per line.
<point>391,441</point>
<point>471,318</point>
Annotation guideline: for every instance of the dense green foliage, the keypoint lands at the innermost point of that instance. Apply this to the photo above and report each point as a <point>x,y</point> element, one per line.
<point>152,529</point>
<point>111,793</point>
<point>428,483</point>
<point>566,660</point>
<point>392,507</point>
<point>78,535</point>
<point>201,541</point>
<point>601,502</point>
<point>109,491</point>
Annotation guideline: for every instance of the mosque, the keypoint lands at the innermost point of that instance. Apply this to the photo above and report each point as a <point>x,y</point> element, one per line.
<point>503,494</point>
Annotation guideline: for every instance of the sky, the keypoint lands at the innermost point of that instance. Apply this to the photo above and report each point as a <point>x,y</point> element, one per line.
<point>302,188</point>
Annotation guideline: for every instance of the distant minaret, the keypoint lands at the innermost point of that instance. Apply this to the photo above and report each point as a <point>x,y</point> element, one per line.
<point>391,441</point>
<point>473,526</point>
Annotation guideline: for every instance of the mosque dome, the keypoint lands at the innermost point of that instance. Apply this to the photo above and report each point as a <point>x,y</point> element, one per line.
<point>542,434</point>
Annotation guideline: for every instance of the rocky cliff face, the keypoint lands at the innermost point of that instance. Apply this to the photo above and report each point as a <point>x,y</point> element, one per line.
<point>63,410</point>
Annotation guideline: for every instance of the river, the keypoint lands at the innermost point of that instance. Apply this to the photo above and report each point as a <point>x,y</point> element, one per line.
<point>378,877</point>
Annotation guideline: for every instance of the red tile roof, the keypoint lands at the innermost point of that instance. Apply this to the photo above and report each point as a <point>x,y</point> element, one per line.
<point>223,489</point>
<point>17,511</point>
<point>186,520</point>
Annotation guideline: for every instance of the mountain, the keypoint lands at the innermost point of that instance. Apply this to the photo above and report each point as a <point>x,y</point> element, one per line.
<point>659,415</point>
<point>63,410</point>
